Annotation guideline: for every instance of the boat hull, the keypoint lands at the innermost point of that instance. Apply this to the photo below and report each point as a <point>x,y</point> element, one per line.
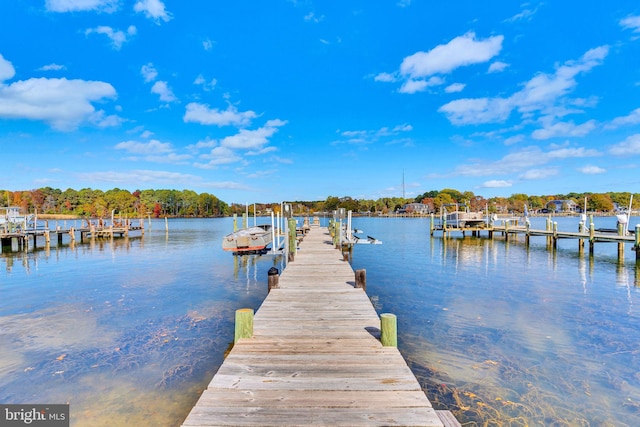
<point>250,239</point>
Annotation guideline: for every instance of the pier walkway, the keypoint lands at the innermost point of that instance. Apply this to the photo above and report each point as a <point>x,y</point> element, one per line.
<point>315,357</point>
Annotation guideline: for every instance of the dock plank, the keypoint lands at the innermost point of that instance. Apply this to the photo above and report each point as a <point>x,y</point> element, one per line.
<point>315,357</point>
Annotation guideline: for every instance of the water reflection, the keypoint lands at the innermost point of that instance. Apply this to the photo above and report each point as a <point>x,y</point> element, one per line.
<point>128,330</point>
<point>502,333</point>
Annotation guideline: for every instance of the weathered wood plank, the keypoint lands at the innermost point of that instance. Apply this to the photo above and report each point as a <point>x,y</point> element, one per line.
<point>448,419</point>
<point>315,357</point>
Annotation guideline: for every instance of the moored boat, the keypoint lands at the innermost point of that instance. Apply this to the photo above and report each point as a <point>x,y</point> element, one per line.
<point>250,239</point>
<point>462,219</point>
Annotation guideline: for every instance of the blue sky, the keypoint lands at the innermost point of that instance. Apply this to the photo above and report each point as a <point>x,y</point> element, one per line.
<point>259,101</point>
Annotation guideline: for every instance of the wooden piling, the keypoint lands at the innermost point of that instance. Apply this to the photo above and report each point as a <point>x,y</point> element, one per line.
<point>293,242</point>
<point>273,278</point>
<point>361,279</point>
<point>388,330</point>
<point>636,246</point>
<point>244,324</point>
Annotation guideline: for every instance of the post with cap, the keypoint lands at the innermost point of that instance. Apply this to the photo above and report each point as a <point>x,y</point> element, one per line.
<point>274,278</point>
<point>244,324</point>
<point>388,330</point>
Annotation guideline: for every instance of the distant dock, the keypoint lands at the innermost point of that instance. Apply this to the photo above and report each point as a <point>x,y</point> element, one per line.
<point>22,237</point>
<point>585,233</point>
<point>315,353</point>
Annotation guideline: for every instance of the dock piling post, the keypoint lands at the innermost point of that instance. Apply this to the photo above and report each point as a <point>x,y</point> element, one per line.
<point>621,232</point>
<point>431,225</point>
<point>592,239</point>
<point>388,330</point>
<point>273,278</point>
<point>293,244</point>
<point>361,279</point>
<point>244,324</point>
<point>636,247</point>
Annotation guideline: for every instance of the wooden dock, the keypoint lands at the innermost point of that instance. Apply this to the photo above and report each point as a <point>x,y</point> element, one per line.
<point>22,236</point>
<point>315,357</point>
<point>584,234</point>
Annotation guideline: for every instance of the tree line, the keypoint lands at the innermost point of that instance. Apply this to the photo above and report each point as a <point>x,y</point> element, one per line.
<point>97,203</point>
<point>187,203</point>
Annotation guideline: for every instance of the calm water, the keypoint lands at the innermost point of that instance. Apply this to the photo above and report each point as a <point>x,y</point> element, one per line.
<point>131,331</point>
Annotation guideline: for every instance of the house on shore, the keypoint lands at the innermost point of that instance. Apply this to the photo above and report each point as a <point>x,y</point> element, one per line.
<point>562,206</point>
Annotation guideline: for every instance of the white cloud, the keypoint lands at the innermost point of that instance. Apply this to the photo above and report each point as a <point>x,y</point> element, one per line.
<point>149,72</point>
<point>206,85</point>
<point>544,89</point>
<point>455,87</point>
<point>413,86</point>
<point>162,89</point>
<point>544,173</point>
<point>312,17</point>
<point>570,153</point>
<point>201,113</point>
<point>442,59</point>
<point>628,147</point>
<point>208,44</point>
<point>81,5</point>
<point>404,3</point>
<point>497,67</point>
<point>632,119</point>
<point>564,129</point>
<point>540,94</point>
<point>118,38</point>
<point>526,14</point>
<point>529,159</point>
<point>631,23</point>
<point>151,147</point>
<point>477,110</point>
<point>6,69</point>
<point>497,183</point>
<point>52,67</point>
<point>152,151</point>
<point>135,177</point>
<point>403,128</point>
<point>514,139</point>
<point>252,139</point>
<point>153,9</point>
<point>592,170</point>
<point>218,156</point>
<point>365,137</point>
<point>385,77</point>
<point>62,103</point>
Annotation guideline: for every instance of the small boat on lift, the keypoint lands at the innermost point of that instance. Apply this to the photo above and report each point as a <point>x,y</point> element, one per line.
<point>250,239</point>
<point>462,218</point>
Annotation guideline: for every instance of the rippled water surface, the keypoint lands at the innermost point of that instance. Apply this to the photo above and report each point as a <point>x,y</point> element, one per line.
<point>130,331</point>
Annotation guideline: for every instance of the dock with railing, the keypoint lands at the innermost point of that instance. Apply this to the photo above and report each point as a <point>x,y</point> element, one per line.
<point>315,353</point>
<point>24,236</point>
<point>586,233</point>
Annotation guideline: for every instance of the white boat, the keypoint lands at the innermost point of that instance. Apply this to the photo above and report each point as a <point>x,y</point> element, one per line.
<point>250,239</point>
<point>462,219</point>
